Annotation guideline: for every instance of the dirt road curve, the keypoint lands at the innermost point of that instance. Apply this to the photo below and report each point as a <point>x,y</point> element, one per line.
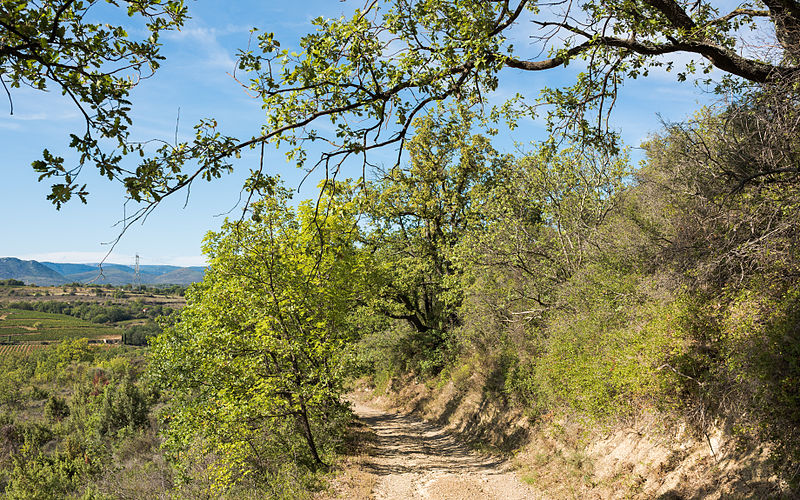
<point>416,460</point>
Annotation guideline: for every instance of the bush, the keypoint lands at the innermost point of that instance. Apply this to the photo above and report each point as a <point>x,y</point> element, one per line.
<point>140,334</point>
<point>123,405</point>
<point>56,408</point>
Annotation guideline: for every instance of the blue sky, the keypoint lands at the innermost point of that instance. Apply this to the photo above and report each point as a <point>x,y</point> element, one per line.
<point>196,77</point>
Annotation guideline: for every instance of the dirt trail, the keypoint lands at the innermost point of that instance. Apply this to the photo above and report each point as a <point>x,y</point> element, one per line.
<point>413,459</point>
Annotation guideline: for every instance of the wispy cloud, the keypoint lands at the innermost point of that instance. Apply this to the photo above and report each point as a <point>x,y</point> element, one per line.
<point>114,258</point>
<point>32,116</point>
<point>185,261</point>
<point>79,257</point>
<point>205,40</point>
<point>25,101</point>
<point>7,125</point>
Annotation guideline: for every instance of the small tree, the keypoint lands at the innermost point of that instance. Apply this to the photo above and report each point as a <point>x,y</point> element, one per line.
<point>255,363</point>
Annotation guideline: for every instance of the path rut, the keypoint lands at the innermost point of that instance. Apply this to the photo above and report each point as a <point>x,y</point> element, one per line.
<point>413,459</point>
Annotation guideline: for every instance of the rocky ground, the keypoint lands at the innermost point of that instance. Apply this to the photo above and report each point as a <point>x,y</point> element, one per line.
<point>412,459</point>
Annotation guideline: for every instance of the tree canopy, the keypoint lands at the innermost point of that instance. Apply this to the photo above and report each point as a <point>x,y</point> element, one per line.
<point>418,214</point>
<point>562,282</point>
<point>356,84</point>
<point>56,43</point>
<point>256,362</point>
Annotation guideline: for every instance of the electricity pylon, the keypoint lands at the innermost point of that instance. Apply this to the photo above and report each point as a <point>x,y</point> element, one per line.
<point>138,277</point>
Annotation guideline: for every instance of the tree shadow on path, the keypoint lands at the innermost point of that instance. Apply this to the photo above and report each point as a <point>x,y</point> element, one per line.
<point>406,444</point>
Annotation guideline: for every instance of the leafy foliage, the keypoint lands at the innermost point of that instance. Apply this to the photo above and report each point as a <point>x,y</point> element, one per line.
<point>256,363</point>
<point>75,412</point>
<point>371,74</point>
<point>56,43</point>
<point>589,289</point>
<point>593,290</point>
<point>417,216</point>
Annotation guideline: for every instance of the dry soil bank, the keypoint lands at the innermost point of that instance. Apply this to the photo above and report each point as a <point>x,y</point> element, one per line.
<point>415,453</point>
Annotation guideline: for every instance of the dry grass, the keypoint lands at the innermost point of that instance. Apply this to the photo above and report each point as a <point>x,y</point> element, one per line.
<point>555,465</point>
<point>569,461</point>
<point>352,478</point>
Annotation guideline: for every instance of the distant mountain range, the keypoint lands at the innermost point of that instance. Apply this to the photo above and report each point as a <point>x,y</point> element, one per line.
<point>56,273</point>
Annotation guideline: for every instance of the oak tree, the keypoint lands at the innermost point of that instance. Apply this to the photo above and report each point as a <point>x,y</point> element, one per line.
<point>58,44</point>
<point>356,84</point>
<point>418,214</point>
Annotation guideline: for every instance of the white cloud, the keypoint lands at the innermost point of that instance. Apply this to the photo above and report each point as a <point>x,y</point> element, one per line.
<point>205,41</point>
<point>9,125</point>
<point>114,258</point>
<point>48,108</point>
<point>31,117</point>
<point>184,261</point>
<point>79,257</point>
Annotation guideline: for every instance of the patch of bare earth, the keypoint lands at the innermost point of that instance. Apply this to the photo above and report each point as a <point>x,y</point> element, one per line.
<point>413,459</point>
<point>641,458</point>
<point>117,337</point>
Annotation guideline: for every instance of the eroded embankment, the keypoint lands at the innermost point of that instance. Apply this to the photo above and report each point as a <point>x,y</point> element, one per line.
<point>562,458</point>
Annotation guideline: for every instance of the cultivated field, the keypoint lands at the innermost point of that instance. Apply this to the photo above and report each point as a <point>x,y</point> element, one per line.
<point>33,327</point>
<point>10,349</point>
<point>85,293</point>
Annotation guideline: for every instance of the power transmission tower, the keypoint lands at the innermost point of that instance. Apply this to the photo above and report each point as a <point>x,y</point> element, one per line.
<point>138,277</point>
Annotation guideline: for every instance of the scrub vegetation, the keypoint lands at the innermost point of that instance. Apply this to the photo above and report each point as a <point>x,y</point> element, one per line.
<point>585,286</point>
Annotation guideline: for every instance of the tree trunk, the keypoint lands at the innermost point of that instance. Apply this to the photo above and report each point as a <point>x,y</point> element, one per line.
<point>308,434</point>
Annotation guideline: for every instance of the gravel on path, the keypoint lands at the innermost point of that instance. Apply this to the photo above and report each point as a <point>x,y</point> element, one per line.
<point>413,459</point>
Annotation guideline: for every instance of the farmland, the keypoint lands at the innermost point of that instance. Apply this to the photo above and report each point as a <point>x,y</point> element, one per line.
<point>11,349</point>
<point>40,327</point>
<point>66,376</point>
<point>71,293</point>
<point>33,316</point>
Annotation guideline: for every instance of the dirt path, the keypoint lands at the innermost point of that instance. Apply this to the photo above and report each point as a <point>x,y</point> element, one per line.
<point>413,459</point>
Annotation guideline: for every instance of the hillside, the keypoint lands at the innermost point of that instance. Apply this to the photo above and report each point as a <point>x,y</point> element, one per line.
<point>65,269</point>
<point>56,273</point>
<point>29,271</point>
<point>180,276</point>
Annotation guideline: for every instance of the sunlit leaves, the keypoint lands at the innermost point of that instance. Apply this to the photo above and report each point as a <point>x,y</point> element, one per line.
<point>261,346</point>
<point>53,44</point>
<point>418,215</point>
<point>356,83</point>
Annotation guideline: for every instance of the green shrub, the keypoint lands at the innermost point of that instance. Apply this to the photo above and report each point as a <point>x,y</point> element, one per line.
<point>140,334</point>
<point>123,405</point>
<point>56,408</point>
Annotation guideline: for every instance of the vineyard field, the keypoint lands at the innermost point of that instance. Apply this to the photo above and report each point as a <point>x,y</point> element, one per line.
<point>32,326</point>
<point>8,350</point>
